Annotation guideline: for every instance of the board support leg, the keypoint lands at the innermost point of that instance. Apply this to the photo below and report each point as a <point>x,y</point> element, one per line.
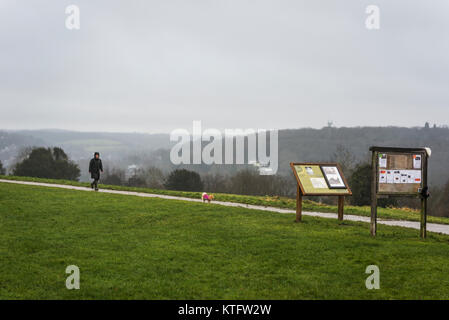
<point>298,204</point>
<point>341,206</point>
<point>373,225</point>
<point>423,229</point>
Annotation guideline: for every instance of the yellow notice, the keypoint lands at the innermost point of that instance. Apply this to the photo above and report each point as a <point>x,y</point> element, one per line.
<point>312,180</point>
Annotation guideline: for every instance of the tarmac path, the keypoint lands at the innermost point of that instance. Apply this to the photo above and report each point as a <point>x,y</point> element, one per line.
<point>432,227</point>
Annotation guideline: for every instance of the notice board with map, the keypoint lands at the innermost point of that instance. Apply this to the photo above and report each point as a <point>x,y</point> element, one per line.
<point>320,179</point>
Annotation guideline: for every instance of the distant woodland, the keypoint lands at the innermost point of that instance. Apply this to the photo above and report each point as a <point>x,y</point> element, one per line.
<point>150,153</point>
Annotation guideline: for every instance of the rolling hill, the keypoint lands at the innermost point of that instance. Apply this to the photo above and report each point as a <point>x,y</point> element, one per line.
<point>295,145</point>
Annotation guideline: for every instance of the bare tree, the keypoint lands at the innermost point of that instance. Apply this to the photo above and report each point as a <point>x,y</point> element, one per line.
<point>345,158</point>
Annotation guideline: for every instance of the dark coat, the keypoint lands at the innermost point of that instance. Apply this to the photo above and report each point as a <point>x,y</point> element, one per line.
<point>95,166</point>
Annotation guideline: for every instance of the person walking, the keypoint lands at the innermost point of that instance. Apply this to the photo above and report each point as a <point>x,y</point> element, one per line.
<point>95,166</point>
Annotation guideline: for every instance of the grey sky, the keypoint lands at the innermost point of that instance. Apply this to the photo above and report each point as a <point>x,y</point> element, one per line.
<point>153,66</point>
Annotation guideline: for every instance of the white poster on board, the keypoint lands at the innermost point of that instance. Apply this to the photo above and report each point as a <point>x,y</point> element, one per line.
<point>417,176</point>
<point>318,183</point>
<point>397,176</point>
<point>417,161</point>
<point>383,176</point>
<point>413,176</point>
<point>404,176</point>
<point>390,176</point>
<point>410,176</point>
<point>382,160</point>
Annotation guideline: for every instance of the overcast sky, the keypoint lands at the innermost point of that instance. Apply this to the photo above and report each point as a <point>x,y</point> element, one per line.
<point>153,66</point>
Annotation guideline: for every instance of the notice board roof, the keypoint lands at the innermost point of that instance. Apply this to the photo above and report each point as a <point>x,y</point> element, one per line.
<point>397,149</point>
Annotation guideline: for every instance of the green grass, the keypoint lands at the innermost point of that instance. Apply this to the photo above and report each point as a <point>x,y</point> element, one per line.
<point>278,202</point>
<point>147,248</point>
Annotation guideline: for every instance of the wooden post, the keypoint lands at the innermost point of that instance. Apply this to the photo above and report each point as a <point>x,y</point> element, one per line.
<point>423,228</point>
<point>341,206</point>
<point>298,204</point>
<point>373,226</point>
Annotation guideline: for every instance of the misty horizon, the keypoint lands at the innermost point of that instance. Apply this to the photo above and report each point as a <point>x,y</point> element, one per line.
<point>439,126</point>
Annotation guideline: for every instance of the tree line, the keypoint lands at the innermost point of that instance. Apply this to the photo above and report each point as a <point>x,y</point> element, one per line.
<point>54,163</point>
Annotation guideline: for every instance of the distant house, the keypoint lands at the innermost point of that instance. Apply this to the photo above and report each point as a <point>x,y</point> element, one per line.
<point>131,171</point>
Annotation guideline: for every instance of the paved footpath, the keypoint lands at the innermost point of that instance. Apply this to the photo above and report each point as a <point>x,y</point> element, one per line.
<point>432,227</point>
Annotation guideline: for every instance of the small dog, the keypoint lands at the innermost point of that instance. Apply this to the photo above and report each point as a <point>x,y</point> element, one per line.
<point>207,197</point>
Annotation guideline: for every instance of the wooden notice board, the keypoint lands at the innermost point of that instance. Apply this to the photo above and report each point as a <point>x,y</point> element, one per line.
<point>399,172</point>
<point>320,179</point>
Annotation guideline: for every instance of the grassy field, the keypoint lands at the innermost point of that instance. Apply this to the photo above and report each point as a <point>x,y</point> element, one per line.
<point>146,248</point>
<point>278,202</point>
